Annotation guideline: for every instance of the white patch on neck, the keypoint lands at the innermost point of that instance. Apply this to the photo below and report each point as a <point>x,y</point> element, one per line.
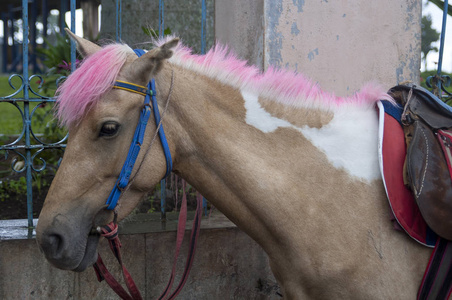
<point>349,140</point>
<point>258,117</point>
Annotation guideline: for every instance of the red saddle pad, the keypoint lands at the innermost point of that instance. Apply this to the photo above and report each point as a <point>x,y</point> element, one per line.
<point>392,152</point>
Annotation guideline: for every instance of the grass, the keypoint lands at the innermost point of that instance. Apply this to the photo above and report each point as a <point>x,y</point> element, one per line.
<point>10,116</point>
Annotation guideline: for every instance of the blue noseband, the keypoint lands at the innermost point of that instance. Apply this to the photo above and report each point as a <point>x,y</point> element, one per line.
<point>134,150</point>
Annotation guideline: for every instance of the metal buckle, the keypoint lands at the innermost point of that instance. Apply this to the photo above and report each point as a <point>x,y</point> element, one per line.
<point>121,189</point>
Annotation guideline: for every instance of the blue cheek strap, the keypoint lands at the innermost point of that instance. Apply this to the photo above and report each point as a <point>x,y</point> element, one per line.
<point>137,141</point>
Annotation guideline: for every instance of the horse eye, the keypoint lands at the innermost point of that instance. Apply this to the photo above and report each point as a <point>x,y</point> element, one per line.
<point>109,129</point>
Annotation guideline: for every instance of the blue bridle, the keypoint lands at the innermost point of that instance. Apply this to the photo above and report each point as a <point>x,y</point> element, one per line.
<point>126,171</point>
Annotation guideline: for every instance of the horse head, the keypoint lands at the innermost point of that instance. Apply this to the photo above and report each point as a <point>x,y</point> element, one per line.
<point>101,121</point>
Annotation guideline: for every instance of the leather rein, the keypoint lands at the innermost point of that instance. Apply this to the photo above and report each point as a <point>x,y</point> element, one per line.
<point>110,231</point>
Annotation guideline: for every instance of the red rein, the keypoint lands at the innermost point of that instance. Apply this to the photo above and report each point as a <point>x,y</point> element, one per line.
<point>110,232</point>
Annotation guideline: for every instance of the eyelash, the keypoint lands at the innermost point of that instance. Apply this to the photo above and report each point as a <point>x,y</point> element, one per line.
<point>109,129</point>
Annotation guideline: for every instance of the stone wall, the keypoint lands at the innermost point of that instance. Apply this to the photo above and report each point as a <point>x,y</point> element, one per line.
<point>182,17</point>
<point>228,265</point>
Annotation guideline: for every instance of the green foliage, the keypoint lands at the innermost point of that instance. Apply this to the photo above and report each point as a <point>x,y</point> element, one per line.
<point>428,37</point>
<point>47,125</point>
<point>424,76</point>
<point>4,193</point>
<point>440,4</point>
<point>40,181</point>
<point>13,188</point>
<point>151,200</point>
<point>55,54</point>
<point>18,186</point>
<point>9,187</point>
<point>155,33</point>
<point>57,58</point>
<point>10,118</point>
<point>423,81</point>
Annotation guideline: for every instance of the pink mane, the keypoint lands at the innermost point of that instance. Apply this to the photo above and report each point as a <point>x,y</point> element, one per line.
<point>83,88</point>
<point>284,86</point>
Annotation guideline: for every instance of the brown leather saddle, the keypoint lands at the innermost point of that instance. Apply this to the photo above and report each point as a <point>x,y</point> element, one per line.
<point>427,124</point>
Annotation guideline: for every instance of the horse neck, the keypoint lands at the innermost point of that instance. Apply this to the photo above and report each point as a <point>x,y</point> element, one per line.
<point>319,220</point>
<point>255,173</point>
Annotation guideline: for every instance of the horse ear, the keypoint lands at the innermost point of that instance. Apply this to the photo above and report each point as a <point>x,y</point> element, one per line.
<point>151,62</point>
<point>84,47</point>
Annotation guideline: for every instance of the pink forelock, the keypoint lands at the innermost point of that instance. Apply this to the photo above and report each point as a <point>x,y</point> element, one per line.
<point>83,88</point>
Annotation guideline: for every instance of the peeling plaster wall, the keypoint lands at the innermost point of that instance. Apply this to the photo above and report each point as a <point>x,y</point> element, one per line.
<point>340,44</point>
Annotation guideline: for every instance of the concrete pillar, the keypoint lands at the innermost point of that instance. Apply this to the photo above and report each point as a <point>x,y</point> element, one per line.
<point>90,19</point>
<point>340,44</point>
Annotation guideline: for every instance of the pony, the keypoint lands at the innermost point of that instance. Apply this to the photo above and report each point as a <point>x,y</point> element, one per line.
<point>294,167</point>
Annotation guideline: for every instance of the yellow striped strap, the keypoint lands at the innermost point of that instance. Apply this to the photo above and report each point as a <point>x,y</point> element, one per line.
<point>131,87</point>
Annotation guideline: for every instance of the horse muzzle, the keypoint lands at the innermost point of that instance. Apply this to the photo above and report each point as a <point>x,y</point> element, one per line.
<point>67,246</point>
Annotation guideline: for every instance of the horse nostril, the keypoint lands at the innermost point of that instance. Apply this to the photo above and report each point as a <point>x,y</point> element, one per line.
<point>57,241</point>
<point>52,244</point>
